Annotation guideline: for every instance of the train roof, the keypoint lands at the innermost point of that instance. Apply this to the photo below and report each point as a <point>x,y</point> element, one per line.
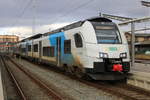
<point>70,26</point>
<point>32,37</point>
<point>78,24</point>
<point>98,19</point>
<point>35,36</point>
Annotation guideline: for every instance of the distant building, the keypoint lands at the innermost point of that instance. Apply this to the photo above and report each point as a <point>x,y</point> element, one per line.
<point>142,50</point>
<point>139,37</point>
<point>7,42</point>
<point>9,38</point>
<point>142,45</point>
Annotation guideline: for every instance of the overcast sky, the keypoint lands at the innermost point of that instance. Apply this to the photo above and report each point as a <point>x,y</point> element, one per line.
<point>17,15</point>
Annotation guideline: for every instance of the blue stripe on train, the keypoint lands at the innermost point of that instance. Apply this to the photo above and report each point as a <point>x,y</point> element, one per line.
<point>52,40</point>
<point>65,58</point>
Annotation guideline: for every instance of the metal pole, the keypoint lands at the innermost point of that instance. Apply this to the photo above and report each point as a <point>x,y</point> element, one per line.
<point>34,17</point>
<point>132,43</point>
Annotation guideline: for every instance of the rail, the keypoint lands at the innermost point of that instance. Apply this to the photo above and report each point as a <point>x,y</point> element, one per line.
<point>20,91</point>
<point>50,91</point>
<point>119,89</point>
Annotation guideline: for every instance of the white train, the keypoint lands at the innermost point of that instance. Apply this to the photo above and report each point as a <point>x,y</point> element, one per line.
<point>94,47</point>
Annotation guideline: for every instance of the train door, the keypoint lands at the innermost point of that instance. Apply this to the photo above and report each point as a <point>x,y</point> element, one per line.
<point>32,48</point>
<point>26,49</point>
<point>58,50</point>
<point>40,49</point>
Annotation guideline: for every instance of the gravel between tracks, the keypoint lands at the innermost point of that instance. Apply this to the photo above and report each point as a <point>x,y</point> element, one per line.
<point>67,86</point>
<point>31,90</point>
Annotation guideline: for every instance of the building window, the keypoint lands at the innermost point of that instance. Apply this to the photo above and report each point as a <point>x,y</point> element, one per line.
<point>67,46</point>
<point>78,40</point>
<point>35,48</point>
<point>29,48</point>
<point>48,51</point>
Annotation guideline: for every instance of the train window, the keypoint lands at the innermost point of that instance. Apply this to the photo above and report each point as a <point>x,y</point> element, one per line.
<point>78,40</point>
<point>48,51</point>
<point>23,50</point>
<point>107,33</point>
<point>35,48</point>
<point>67,46</point>
<point>29,47</point>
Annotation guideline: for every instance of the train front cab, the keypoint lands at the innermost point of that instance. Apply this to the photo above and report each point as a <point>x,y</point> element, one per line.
<point>107,51</point>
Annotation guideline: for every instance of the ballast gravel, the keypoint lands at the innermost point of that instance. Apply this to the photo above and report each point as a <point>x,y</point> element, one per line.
<point>31,89</point>
<point>65,85</point>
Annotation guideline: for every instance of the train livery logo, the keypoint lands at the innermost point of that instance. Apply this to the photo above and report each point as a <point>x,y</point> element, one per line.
<point>112,49</point>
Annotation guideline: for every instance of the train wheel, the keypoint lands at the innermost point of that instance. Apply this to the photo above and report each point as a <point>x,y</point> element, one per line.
<point>65,68</point>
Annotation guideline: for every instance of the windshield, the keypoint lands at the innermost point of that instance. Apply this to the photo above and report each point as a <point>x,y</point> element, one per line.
<point>107,33</point>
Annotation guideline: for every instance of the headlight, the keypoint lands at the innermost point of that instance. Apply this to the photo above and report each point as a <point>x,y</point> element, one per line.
<point>123,55</point>
<point>103,55</point>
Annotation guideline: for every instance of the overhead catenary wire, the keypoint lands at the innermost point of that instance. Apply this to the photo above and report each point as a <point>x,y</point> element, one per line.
<point>62,9</point>
<point>18,16</point>
<point>34,20</point>
<point>71,11</point>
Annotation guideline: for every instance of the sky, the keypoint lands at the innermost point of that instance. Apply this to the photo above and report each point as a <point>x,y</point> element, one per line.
<point>28,17</point>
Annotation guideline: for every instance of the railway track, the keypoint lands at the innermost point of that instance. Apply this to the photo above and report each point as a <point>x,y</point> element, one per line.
<point>123,90</point>
<point>50,92</point>
<point>19,89</point>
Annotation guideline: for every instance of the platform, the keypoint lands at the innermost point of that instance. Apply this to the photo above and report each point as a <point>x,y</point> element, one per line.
<point>142,61</point>
<point>1,88</point>
<point>142,67</point>
<point>140,76</point>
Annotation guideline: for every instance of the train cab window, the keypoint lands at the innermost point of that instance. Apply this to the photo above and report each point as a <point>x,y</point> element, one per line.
<point>67,46</point>
<point>107,33</point>
<point>78,40</point>
<point>35,48</point>
<point>29,48</point>
<point>48,51</point>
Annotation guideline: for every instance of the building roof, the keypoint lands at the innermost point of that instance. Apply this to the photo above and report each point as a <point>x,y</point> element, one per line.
<point>9,36</point>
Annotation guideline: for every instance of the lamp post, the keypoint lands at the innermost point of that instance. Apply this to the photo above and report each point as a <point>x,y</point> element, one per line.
<point>133,43</point>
